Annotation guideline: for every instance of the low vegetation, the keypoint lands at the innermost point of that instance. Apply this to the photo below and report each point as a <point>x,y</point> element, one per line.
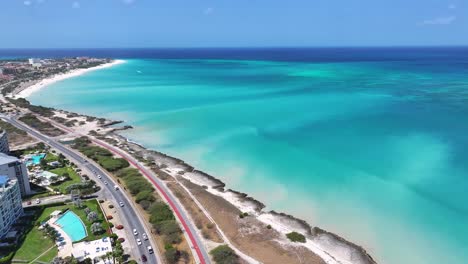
<point>296,237</point>
<point>40,110</point>
<point>161,216</point>
<point>100,155</point>
<point>224,255</point>
<point>46,128</point>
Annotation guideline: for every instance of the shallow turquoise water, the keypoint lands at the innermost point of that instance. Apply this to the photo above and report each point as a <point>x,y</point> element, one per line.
<point>72,225</point>
<point>375,151</point>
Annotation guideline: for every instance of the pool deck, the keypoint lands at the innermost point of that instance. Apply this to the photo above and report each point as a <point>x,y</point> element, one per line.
<point>66,246</point>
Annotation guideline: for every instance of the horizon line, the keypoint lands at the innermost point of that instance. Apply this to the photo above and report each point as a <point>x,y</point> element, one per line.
<point>243,47</point>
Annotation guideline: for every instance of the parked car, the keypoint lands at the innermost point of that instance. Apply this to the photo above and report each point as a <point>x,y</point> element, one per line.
<point>29,203</point>
<point>38,201</point>
<point>138,242</point>
<point>121,204</point>
<point>105,182</point>
<point>121,239</point>
<point>150,250</point>
<point>99,176</point>
<point>144,258</point>
<point>119,227</point>
<point>135,232</point>
<point>145,237</point>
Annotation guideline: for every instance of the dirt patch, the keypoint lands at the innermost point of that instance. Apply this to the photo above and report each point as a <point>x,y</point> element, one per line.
<point>207,228</point>
<point>250,235</point>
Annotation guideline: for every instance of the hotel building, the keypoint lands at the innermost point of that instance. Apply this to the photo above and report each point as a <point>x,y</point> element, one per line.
<point>10,203</point>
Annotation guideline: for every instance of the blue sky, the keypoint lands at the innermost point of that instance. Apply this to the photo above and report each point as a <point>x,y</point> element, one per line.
<point>231,23</point>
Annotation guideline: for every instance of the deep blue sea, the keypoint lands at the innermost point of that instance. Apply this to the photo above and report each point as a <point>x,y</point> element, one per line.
<point>370,143</point>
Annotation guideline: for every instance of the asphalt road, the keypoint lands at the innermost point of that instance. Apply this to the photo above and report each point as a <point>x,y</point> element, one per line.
<point>193,237</point>
<point>127,212</point>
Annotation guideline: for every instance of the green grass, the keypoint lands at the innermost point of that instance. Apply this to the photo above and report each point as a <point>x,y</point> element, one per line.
<point>93,205</point>
<point>75,178</point>
<point>50,255</point>
<point>50,157</point>
<point>34,245</point>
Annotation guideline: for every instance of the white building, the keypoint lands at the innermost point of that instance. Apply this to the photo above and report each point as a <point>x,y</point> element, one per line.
<point>4,147</point>
<point>93,250</point>
<point>10,204</point>
<point>15,169</point>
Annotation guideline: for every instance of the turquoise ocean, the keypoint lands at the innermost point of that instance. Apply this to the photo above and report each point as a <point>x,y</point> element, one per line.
<point>373,148</point>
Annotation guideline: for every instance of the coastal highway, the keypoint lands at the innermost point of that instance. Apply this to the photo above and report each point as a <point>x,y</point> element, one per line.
<point>129,215</point>
<point>192,236</point>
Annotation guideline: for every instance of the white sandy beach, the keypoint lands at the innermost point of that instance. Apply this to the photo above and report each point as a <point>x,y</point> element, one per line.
<point>56,78</point>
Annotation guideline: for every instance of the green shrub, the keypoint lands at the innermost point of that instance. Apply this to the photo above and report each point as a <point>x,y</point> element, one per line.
<point>172,255</point>
<point>296,237</point>
<point>224,255</point>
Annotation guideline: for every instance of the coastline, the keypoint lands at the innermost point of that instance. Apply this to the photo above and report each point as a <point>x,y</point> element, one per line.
<point>332,248</point>
<point>29,90</point>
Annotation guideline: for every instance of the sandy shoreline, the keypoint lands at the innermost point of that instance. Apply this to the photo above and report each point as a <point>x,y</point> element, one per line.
<point>328,246</point>
<point>59,77</point>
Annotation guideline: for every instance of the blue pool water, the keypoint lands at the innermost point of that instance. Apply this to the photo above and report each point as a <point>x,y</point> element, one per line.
<point>72,225</point>
<point>36,159</point>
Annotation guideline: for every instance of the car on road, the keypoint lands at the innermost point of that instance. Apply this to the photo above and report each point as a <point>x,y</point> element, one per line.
<point>99,176</point>
<point>38,201</point>
<point>28,203</point>
<point>138,242</point>
<point>144,258</point>
<point>116,187</point>
<point>150,250</point>
<point>121,204</point>
<point>105,182</point>
<point>145,237</point>
<point>135,232</point>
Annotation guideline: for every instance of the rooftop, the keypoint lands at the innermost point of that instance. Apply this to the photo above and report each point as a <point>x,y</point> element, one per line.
<point>5,159</point>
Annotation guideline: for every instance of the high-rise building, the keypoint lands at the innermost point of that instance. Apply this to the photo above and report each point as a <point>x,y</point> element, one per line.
<point>15,169</point>
<point>4,147</point>
<point>10,203</point>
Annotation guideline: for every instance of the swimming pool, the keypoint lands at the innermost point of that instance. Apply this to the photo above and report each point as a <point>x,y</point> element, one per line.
<point>72,225</point>
<point>35,159</point>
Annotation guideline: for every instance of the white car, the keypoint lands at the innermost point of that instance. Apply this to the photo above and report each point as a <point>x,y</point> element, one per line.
<point>99,176</point>
<point>121,204</point>
<point>105,182</point>
<point>150,250</point>
<point>38,201</point>
<point>135,232</point>
<point>138,242</point>
<point>145,237</point>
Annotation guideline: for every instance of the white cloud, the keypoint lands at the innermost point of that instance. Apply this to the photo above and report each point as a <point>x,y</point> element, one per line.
<point>452,6</point>
<point>440,21</point>
<point>27,3</point>
<point>76,4</point>
<point>208,11</point>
